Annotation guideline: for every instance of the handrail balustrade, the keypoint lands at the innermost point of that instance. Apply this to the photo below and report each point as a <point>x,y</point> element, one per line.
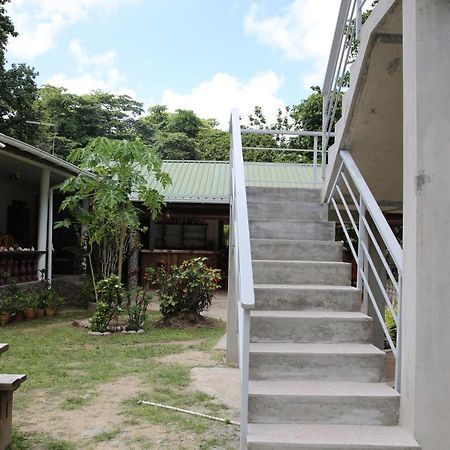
<point>240,263</point>
<point>351,192</point>
<point>346,37</point>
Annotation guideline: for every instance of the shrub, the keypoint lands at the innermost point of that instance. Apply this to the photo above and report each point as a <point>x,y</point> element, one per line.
<point>102,316</point>
<point>185,290</point>
<point>136,313</point>
<point>110,295</point>
<point>48,297</point>
<point>110,290</point>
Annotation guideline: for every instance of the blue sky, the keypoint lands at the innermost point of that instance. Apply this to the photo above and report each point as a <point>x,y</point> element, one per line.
<point>205,55</point>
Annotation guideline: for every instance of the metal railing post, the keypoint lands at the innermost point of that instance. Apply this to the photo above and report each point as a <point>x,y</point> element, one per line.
<point>358,19</point>
<point>316,147</point>
<point>398,359</point>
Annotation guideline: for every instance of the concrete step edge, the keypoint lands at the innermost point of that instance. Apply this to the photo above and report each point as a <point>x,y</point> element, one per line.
<point>310,436</point>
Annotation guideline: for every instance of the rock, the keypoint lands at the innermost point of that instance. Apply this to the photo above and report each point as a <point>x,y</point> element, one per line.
<point>94,333</point>
<point>140,331</point>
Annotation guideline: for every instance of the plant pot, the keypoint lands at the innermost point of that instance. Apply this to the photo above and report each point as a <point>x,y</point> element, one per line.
<point>50,311</point>
<point>18,316</point>
<point>40,312</point>
<point>29,313</point>
<point>4,318</point>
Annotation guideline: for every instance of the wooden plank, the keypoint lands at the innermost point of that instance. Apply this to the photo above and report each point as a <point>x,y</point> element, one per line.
<point>10,382</point>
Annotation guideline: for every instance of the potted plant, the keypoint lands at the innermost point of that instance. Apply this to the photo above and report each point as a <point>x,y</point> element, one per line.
<point>31,303</point>
<point>52,302</point>
<point>5,304</point>
<point>19,304</point>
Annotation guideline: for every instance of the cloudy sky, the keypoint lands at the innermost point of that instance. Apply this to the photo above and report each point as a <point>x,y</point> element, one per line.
<point>205,55</point>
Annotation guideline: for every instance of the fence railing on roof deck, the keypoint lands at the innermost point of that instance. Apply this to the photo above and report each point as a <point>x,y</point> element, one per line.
<point>240,263</point>
<point>318,154</point>
<point>374,247</point>
<point>345,42</point>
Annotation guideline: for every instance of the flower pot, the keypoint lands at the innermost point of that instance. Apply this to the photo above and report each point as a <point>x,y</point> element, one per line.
<point>50,311</point>
<point>4,318</point>
<point>18,316</point>
<point>29,313</point>
<point>40,312</point>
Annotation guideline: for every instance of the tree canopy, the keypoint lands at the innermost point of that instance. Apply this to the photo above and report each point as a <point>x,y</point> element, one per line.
<point>18,89</point>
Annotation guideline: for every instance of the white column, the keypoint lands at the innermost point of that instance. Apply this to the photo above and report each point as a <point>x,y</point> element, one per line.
<point>50,237</point>
<point>426,281</point>
<point>43,216</point>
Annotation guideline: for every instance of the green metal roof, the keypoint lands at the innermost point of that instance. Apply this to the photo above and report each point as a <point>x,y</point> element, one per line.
<point>209,181</point>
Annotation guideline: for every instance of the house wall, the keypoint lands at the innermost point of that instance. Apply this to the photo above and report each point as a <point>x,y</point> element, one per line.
<point>10,191</point>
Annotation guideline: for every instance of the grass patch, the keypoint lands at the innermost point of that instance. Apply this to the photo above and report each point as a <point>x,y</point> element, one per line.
<point>75,402</point>
<point>66,362</point>
<point>105,436</point>
<point>59,357</point>
<point>37,441</point>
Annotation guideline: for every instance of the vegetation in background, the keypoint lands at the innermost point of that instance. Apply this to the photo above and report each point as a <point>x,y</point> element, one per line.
<point>18,90</point>
<point>121,169</point>
<point>186,290</point>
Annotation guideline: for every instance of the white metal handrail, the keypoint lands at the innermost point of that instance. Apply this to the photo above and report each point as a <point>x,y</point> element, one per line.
<point>351,192</point>
<point>317,181</point>
<point>241,262</point>
<point>347,35</point>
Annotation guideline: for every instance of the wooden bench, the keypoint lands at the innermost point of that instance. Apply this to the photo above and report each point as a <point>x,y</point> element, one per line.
<point>8,384</point>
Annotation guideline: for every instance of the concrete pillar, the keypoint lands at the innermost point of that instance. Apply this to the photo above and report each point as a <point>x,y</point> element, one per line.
<point>232,353</point>
<point>43,216</point>
<point>426,281</point>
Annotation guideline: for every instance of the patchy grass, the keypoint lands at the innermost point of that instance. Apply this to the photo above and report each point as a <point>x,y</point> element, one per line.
<point>66,363</point>
<point>37,441</point>
<point>58,357</point>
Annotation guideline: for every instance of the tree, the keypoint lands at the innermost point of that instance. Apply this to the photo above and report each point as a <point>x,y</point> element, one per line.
<point>80,118</point>
<point>18,88</point>
<point>113,170</point>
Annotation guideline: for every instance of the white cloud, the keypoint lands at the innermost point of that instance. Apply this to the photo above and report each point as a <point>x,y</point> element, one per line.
<point>216,97</point>
<point>95,72</point>
<point>303,32</point>
<point>39,22</point>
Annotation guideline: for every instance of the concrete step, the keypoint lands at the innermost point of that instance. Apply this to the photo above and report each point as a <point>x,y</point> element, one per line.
<point>310,326</point>
<point>323,402</point>
<point>301,272</point>
<point>301,297</point>
<point>292,229</point>
<point>328,437</point>
<point>273,210</point>
<point>296,250</point>
<point>327,362</point>
<point>259,194</point>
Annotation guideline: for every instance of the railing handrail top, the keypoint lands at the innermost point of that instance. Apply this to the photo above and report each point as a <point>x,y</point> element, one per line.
<point>243,244</point>
<point>375,212</point>
<point>288,132</point>
<point>335,46</point>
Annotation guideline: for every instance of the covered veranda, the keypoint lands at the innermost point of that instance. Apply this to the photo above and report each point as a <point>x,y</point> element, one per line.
<point>29,178</point>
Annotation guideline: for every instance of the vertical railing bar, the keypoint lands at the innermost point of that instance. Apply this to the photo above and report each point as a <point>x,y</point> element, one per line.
<point>382,257</point>
<point>350,190</point>
<point>344,229</point>
<point>398,365</point>
<point>316,146</point>
<point>362,212</point>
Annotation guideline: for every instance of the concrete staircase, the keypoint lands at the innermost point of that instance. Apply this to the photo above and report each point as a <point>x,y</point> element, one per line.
<point>316,381</point>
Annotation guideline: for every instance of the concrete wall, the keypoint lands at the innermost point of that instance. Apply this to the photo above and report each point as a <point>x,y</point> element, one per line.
<point>426,283</point>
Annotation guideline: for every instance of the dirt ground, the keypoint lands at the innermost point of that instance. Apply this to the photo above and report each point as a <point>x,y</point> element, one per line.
<point>102,423</point>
